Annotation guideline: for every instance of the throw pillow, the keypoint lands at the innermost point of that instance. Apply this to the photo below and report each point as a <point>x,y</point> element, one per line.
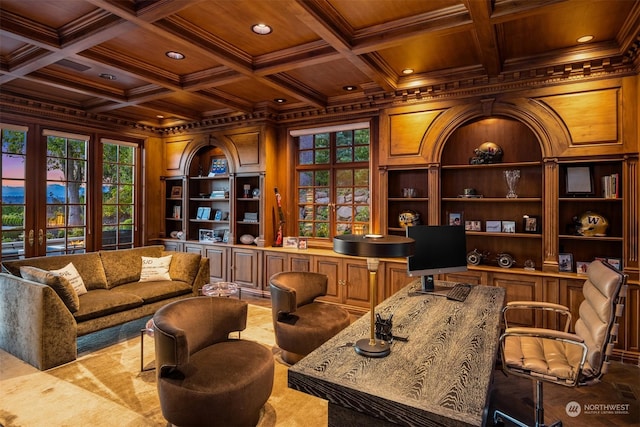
<point>70,273</point>
<point>60,285</point>
<point>155,269</point>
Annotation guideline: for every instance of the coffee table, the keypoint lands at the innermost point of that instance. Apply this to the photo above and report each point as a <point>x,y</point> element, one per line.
<point>222,289</point>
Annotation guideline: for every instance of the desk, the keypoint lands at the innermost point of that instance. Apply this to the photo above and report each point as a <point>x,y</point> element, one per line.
<point>440,376</point>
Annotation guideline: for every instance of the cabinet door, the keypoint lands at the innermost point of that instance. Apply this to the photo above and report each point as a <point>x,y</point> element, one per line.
<point>520,288</point>
<point>218,257</point>
<point>332,268</point>
<point>299,262</point>
<point>173,245</point>
<point>274,262</point>
<point>356,291</point>
<point>193,248</point>
<point>245,267</point>
<point>395,277</point>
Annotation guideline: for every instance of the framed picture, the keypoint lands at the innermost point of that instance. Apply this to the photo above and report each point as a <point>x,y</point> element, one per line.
<point>206,236</point>
<point>203,213</point>
<point>615,263</point>
<point>455,218</point>
<point>473,225</point>
<point>226,236</point>
<point>176,192</point>
<point>291,242</point>
<point>508,226</point>
<point>531,224</point>
<point>218,166</point>
<point>302,243</point>
<point>579,180</point>
<point>492,226</point>
<point>218,216</point>
<point>581,267</point>
<point>565,262</point>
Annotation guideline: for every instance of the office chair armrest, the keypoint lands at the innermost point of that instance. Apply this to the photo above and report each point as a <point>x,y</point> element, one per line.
<point>544,334</point>
<point>537,305</point>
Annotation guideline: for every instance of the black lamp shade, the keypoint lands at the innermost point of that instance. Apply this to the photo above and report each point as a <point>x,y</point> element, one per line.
<point>374,246</point>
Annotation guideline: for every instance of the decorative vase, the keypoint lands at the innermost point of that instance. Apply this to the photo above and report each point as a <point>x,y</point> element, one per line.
<point>512,177</point>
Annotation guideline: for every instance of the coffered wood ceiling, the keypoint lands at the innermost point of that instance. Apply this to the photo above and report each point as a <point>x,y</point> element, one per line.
<point>53,53</point>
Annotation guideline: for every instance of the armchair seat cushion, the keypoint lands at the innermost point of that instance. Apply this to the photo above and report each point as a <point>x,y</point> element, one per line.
<point>310,326</point>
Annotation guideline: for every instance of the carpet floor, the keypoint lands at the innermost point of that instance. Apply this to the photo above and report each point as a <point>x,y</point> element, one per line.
<point>104,386</point>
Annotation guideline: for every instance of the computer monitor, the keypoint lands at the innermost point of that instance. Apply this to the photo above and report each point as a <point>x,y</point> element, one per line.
<point>439,249</point>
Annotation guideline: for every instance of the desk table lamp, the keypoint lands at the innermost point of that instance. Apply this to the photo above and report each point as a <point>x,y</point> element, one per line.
<point>373,246</point>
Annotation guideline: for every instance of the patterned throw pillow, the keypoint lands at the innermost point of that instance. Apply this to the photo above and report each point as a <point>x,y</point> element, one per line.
<point>60,285</point>
<point>155,269</point>
<point>70,273</point>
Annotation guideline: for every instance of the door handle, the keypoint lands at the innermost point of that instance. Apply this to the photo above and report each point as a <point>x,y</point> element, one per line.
<point>40,237</point>
<point>31,237</point>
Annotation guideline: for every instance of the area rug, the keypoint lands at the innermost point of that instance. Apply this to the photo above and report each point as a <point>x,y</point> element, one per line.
<point>104,386</point>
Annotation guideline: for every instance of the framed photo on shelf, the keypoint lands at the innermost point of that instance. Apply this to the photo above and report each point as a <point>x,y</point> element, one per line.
<point>291,242</point>
<point>493,226</point>
<point>218,216</point>
<point>473,225</point>
<point>218,166</point>
<point>615,263</point>
<point>579,180</point>
<point>565,262</point>
<point>176,192</point>
<point>455,218</point>
<point>206,236</point>
<point>581,267</point>
<point>203,213</point>
<point>508,226</point>
<point>302,243</point>
<point>531,224</point>
<point>226,236</point>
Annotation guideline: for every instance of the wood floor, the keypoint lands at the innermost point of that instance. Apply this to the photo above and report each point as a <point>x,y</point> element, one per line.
<point>515,396</point>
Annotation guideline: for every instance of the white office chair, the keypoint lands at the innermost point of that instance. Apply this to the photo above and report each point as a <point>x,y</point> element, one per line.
<point>560,357</point>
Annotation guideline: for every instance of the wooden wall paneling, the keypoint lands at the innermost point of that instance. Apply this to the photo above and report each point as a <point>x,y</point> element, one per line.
<point>395,277</point>
<point>629,332</point>
<point>248,145</point>
<point>571,296</point>
<point>550,216</point>
<point>631,214</point>
<point>175,151</point>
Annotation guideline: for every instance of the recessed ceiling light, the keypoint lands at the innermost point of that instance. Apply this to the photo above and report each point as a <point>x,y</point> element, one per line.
<point>107,76</point>
<point>175,55</point>
<point>407,71</point>
<point>280,100</point>
<point>262,29</point>
<point>160,116</point>
<point>349,88</point>
<point>585,39</point>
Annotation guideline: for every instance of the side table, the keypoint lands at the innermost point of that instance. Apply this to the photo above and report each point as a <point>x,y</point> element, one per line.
<point>148,331</point>
<point>224,290</point>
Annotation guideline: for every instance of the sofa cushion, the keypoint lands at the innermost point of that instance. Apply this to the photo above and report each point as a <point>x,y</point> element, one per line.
<point>101,302</point>
<point>155,269</point>
<point>89,265</point>
<point>154,291</point>
<point>184,266</point>
<point>60,284</point>
<point>70,273</point>
<point>124,265</point>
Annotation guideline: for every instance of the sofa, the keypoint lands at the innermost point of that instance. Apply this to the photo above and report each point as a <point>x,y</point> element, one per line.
<point>42,312</point>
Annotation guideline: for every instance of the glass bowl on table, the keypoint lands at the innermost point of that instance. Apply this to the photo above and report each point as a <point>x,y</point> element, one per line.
<point>221,289</point>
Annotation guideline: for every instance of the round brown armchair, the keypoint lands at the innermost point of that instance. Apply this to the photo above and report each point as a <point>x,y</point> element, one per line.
<point>301,323</point>
<point>204,377</point>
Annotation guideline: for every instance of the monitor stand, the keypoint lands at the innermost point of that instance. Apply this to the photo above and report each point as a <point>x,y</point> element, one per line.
<point>428,286</point>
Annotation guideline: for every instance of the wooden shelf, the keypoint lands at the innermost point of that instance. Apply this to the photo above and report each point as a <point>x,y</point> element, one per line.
<point>493,165</point>
<point>492,200</point>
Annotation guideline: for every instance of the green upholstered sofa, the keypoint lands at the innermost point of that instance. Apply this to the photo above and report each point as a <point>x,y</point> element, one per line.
<point>39,327</point>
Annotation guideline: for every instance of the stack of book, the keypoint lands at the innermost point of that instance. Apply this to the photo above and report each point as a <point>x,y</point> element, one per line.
<point>611,186</point>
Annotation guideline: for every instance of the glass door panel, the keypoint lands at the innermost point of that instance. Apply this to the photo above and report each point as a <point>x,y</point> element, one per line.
<point>13,170</point>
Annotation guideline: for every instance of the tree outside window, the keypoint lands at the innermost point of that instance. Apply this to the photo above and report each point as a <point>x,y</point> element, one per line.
<point>333,183</point>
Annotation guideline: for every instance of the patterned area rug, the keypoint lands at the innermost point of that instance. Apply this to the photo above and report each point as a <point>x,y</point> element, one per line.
<point>104,386</point>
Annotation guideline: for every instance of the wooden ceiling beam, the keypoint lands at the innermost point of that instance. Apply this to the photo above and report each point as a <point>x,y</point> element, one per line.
<point>485,35</point>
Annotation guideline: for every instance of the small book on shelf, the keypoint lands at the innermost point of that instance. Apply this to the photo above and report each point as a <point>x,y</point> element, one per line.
<point>611,186</point>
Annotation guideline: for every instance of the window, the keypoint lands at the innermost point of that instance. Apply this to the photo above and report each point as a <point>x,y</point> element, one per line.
<point>333,181</point>
<point>118,194</point>
<point>13,171</point>
<point>66,198</point>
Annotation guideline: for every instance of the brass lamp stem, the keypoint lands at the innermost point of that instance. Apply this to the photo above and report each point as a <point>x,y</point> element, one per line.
<point>372,266</point>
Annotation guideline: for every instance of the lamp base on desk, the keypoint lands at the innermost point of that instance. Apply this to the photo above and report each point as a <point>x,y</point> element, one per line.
<point>380,349</point>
